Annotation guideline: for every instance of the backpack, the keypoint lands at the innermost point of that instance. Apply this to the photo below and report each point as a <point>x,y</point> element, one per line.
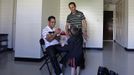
<point>103,71</point>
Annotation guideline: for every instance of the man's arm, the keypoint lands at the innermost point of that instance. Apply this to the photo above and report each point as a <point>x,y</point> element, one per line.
<point>67,27</point>
<point>84,28</point>
<point>51,37</point>
<point>55,35</point>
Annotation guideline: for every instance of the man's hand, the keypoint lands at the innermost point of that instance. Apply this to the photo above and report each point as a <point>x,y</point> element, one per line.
<point>57,30</point>
<point>54,35</point>
<point>85,36</point>
<point>84,29</point>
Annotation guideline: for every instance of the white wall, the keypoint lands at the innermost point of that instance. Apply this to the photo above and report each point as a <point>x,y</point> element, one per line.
<point>0,14</point>
<point>109,7</point>
<point>130,24</point>
<point>125,23</point>
<point>93,11</point>
<point>14,23</point>
<point>6,17</point>
<point>50,7</point>
<point>28,28</point>
<point>121,23</point>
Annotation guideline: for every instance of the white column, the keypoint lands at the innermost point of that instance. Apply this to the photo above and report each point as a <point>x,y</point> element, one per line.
<point>6,14</point>
<point>28,28</point>
<point>130,24</point>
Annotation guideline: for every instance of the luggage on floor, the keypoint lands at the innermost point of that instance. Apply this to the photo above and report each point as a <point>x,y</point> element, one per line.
<point>103,71</point>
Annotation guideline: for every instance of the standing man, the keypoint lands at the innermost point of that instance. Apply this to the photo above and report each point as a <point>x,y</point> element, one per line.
<point>49,34</point>
<point>77,19</point>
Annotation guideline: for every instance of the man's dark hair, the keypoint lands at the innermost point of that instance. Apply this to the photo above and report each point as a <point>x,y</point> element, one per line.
<point>51,17</point>
<point>72,3</point>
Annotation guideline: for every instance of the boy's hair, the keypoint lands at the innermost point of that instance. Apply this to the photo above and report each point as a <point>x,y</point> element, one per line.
<point>51,17</point>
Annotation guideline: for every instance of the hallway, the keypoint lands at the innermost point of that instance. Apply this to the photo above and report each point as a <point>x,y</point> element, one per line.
<point>113,56</point>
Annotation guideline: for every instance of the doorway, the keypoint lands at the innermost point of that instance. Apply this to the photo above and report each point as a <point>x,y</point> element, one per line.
<point>108,26</point>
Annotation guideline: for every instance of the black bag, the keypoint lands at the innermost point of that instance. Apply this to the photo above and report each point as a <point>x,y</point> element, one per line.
<point>112,72</point>
<point>103,71</point>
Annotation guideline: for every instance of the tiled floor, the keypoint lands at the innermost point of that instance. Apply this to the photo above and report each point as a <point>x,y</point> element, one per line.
<point>113,56</point>
<point>118,59</point>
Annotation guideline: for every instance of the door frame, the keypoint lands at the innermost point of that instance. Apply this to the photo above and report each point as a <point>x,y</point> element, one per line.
<point>114,27</point>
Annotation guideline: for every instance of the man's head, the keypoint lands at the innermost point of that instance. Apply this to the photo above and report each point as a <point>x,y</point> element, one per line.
<point>51,21</point>
<point>72,7</point>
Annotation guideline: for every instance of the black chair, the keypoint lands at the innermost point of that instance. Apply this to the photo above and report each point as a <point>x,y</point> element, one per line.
<point>47,59</point>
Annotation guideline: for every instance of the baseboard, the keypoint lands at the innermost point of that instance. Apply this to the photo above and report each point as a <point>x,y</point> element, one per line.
<point>118,44</point>
<point>28,59</point>
<point>114,40</point>
<point>128,49</point>
<point>124,47</point>
<point>10,49</point>
<point>6,50</point>
<point>89,48</point>
<point>1,51</point>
